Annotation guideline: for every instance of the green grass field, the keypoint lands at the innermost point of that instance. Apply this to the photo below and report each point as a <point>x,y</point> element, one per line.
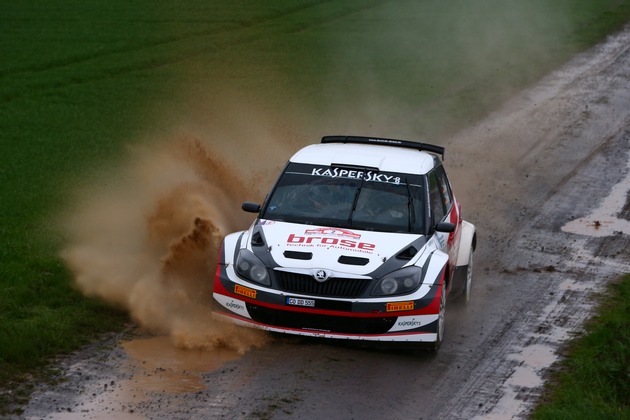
<point>82,80</point>
<point>593,382</point>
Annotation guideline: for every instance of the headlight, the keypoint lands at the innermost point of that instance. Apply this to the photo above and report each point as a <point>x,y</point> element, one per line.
<point>251,268</point>
<point>399,282</point>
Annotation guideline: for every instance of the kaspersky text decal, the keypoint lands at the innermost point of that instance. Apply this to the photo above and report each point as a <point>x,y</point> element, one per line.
<point>355,174</point>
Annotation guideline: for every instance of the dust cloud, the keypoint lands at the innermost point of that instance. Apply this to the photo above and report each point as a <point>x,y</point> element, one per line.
<point>144,235</point>
<point>425,70</point>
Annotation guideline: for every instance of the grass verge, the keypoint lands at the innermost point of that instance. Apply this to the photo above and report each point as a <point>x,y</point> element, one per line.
<point>593,379</point>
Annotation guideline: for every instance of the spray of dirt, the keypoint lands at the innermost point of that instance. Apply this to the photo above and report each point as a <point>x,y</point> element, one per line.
<point>146,235</point>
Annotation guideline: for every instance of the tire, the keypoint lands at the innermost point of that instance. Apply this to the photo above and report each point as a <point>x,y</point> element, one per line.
<point>441,318</point>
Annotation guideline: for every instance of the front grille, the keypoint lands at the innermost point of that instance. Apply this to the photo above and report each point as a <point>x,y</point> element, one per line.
<point>333,287</point>
<point>306,321</point>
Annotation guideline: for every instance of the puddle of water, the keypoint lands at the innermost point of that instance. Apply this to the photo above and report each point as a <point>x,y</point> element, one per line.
<point>523,376</point>
<point>159,366</point>
<point>604,220</point>
<point>533,359</point>
<point>540,356</point>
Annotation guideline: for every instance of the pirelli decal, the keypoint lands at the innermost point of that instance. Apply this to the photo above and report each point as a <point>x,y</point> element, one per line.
<point>245,291</point>
<point>400,306</point>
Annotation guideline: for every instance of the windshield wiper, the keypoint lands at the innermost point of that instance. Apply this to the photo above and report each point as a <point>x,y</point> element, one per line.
<point>355,201</point>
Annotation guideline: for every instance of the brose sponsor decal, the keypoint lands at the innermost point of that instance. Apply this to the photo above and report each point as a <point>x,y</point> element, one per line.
<point>323,241</point>
<point>244,291</point>
<point>399,306</point>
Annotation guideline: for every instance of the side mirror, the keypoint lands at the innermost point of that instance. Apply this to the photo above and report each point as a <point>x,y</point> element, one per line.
<point>445,227</point>
<point>251,207</point>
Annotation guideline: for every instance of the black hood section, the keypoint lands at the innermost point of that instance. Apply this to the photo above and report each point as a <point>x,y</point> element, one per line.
<point>258,237</point>
<point>397,262</point>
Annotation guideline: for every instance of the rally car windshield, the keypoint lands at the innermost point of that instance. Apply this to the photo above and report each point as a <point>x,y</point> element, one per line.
<point>351,198</point>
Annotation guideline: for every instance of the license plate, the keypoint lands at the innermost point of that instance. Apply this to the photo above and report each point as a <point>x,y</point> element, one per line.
<point>301,302</point>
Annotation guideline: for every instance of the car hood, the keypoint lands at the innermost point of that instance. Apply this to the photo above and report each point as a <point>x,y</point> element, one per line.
<point>342,250</point>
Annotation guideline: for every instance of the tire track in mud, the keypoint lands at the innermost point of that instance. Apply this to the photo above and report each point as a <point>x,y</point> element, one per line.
<point>553,276</point>
<point>507,378</point>
<point>164,51</point>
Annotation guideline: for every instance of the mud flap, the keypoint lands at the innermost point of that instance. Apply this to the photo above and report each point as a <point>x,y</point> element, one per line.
<point>467,244</point>
<point>459,279</point>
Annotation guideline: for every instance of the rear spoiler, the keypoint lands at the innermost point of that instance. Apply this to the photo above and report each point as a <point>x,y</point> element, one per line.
<point>386,142</point>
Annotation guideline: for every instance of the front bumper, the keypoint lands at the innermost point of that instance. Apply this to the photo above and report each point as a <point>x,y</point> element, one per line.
<point>400,319</point>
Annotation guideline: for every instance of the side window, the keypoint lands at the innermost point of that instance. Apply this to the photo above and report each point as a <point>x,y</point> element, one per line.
<point>437,205</point>
<point>445,189</point>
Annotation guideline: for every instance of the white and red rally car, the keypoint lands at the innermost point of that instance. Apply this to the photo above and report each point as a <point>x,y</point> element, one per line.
<point>360,238</point>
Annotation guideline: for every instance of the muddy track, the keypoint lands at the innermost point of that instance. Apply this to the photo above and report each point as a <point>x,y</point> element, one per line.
<point>554,154</point>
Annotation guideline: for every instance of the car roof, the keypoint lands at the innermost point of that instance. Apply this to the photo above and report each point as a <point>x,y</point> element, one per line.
<point>385,158</point>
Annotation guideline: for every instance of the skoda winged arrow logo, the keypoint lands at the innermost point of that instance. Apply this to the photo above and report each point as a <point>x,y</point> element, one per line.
<point>321,276</point>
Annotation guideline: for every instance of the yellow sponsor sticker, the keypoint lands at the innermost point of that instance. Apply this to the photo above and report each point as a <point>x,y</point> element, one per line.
<point>400,306</point>
<point>244,291</point>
